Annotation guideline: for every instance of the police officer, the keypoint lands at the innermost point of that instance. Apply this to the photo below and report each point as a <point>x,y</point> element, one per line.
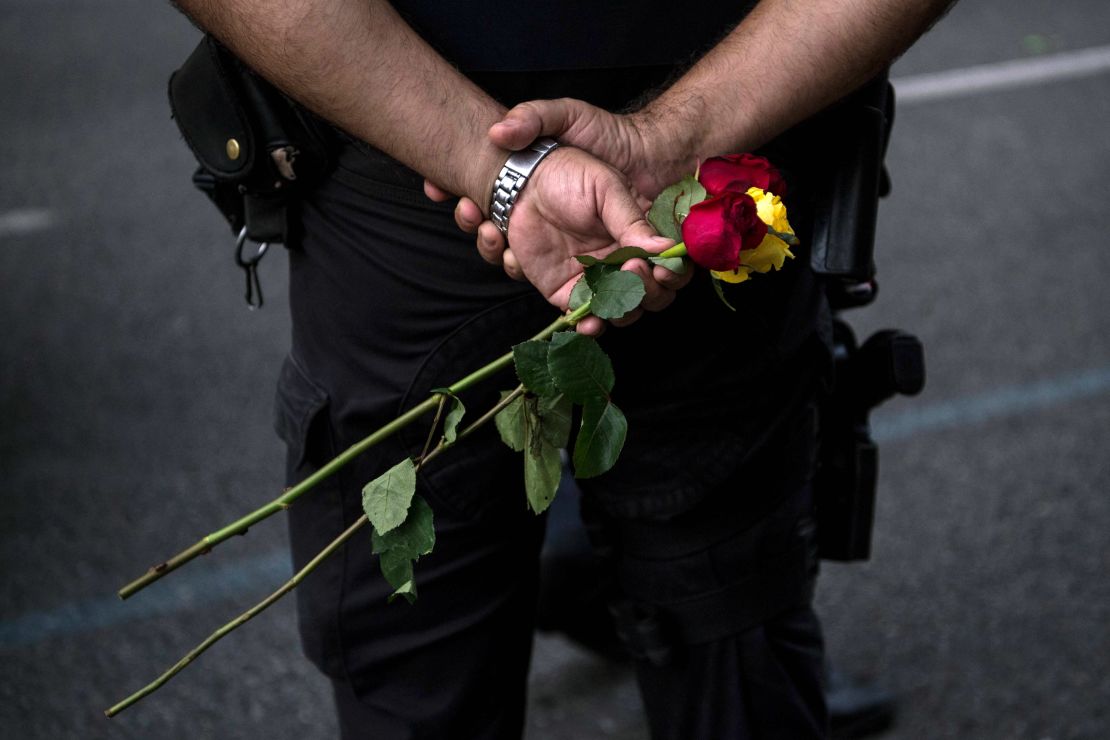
<point>706,519</point>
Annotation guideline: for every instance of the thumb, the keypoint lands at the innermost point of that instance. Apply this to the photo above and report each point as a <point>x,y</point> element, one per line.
<point>435,192</point>
<point>526,122</point>
<point>624,220</point>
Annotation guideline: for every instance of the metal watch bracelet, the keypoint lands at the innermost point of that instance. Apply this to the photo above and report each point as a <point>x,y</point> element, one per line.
<point>512,178</point>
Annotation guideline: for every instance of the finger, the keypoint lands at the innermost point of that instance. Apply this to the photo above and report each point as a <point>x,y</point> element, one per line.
<point>672,280</point>
<point>468,215</point>
<point>643,203</point>
<point>512,265</point>
<point>527,121</point>
<point>656,297</point>
<point>435,192</point>
<point>491,243</point>
<point>625,221</point>
<point>591,326</point>
<point>629,318</point>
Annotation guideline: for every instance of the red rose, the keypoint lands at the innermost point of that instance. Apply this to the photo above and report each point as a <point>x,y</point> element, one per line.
<point>719,228</point>
<point>738,172</point>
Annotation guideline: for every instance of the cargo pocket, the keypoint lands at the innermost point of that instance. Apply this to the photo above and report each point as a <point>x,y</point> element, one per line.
<point>300,423</point>
<point>482,476</point>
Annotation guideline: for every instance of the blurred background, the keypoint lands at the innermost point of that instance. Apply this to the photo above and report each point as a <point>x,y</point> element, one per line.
<point>136,390</point>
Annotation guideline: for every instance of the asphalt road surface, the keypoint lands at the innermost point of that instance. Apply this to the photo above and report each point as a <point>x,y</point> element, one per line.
<point>135,401</point>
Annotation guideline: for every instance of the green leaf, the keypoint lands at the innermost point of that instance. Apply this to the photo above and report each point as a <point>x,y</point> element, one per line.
<point>595,272</point>
<point>542,470</point>
<point>555,419</point>
<point>579,367</point>
<point>691,192</point>
<point>543,420</point>
<point>408,590</point>
<point>397,570</point>
<point>580,295</point>
<point>600,438</point>
<point>400,547</point>
<point>790,239</point>
<point>530,359</point>
<point>615,294</point>
<point>510,422</point>
<point>533,438</point>
<point>618,256</point>
<point>453,419</point>
<point>721,294</point>
<point>661,215</point>
<point>386,499</point>
<point>414,537</point>
<point>677,265</point>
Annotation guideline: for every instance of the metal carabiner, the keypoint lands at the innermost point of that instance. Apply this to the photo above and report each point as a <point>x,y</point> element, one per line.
<point>250,267</point>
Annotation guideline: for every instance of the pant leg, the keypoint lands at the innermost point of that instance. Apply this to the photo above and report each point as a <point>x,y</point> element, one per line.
<point>715,603</point>
<point>763,683</point>
<point>389,300</point>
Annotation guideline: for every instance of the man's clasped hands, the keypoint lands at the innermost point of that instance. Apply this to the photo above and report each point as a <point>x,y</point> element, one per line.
<point>587,197</point>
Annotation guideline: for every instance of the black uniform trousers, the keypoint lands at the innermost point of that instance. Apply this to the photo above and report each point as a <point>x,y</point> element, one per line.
<point>389,300</point>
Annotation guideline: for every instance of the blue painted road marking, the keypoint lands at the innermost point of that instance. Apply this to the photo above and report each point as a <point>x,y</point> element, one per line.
<point>230,581</point>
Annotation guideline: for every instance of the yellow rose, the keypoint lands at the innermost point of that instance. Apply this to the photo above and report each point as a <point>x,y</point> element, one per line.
<point>771,210</point>
<point>772,251</point>
<point>739,275</point>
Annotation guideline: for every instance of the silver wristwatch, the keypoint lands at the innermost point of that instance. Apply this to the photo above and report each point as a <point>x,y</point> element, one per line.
<point>510,181</point>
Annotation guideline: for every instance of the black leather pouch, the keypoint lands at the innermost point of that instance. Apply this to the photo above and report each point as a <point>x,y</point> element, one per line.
<point>255,148</point>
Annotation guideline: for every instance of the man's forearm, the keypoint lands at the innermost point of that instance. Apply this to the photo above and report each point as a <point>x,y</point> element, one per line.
<point>359,65</point>
<point>786,61</point>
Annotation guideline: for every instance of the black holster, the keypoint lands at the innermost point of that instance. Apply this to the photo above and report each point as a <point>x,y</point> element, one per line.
<point>849,145</point>
<point>255,148</point>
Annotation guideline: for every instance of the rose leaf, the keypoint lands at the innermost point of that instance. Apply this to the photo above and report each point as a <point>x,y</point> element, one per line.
<point>555,420</point>
<point>600,438</point>
<point>579,367</point>
<point>677,265</point>
<point>661,215</point>
<point>510,422</point>
<point>530,359</point>
<point>386,499</point>
<point>580,294</point>
<point>542,469</point>
<point>453,419</point>
<point>692,192</point>
<point>616,293</point>
<point>414,537</point>
<point>721,294</point>
<point>400,547</point>
<point>618,256</point>
<point>397,570</point>
<point>596,271</point>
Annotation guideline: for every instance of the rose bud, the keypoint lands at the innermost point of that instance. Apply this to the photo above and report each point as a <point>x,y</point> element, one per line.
<point>738,172</point>
<point>716,230</point>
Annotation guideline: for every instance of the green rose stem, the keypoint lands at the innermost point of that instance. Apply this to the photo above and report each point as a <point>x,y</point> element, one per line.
<point>678,250</point>
<point>241,525</point>
<point>308,568</point>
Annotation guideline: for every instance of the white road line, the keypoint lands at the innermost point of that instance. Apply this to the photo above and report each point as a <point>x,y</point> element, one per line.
<point>25,221</point>
<point>986,78</point>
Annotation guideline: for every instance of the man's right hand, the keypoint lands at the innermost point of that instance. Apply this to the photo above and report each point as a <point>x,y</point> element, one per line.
<point>576,205</point>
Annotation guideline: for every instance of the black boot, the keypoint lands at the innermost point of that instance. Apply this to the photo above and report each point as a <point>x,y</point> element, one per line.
<point>856,709</point>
